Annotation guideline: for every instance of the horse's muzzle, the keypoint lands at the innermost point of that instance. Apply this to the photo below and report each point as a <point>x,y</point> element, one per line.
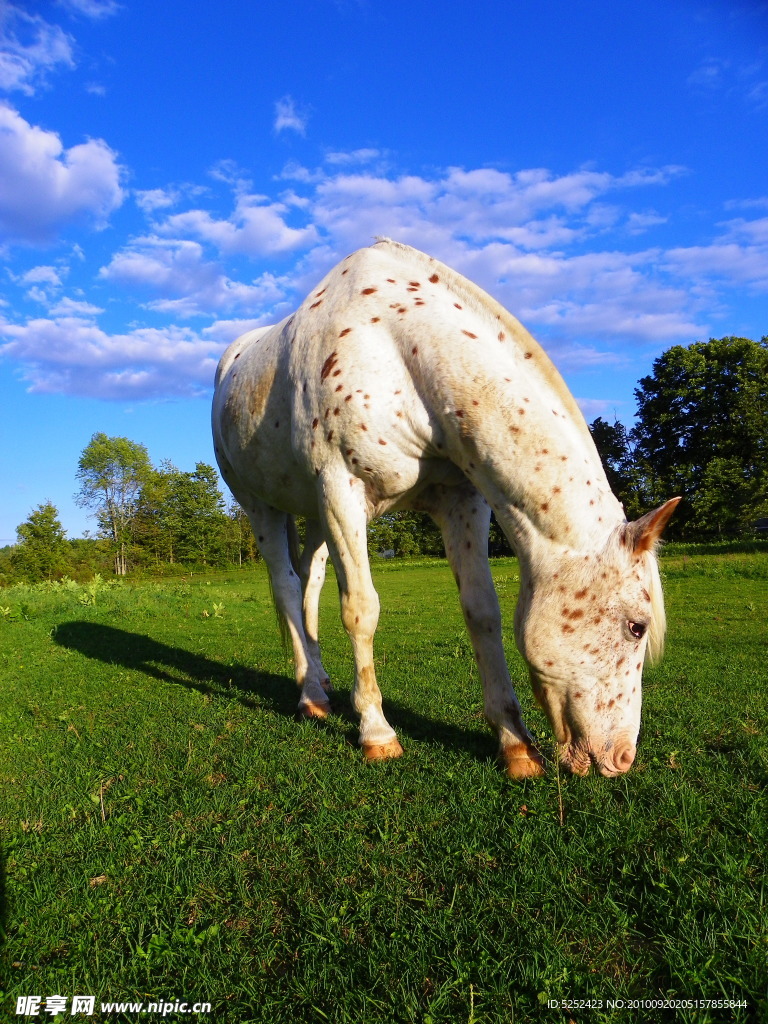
<point>615,761</point>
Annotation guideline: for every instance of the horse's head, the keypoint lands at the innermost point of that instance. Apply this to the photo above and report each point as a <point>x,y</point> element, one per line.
<point>585,624</point>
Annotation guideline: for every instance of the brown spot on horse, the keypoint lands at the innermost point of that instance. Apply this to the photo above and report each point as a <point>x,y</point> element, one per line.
<point>328,365</point>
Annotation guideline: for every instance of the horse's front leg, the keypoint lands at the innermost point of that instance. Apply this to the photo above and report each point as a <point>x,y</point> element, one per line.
<point>345,525</point>
<point>464,517</point>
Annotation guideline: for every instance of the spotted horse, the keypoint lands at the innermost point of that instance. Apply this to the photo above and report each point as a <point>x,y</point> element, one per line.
<point>399,384</point>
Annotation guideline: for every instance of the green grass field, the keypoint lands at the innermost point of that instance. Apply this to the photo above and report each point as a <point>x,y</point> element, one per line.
<point>170,832</point>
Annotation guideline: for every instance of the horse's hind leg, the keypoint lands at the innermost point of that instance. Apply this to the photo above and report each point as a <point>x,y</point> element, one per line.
<point>464,517</point>
<point>271,530</point>
<point>345,522</point>
<point>312,568</point>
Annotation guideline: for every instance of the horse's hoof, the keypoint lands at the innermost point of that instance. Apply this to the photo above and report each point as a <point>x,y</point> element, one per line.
<point>382,751</point>
<point>314,709</point>
<point>522,761</point>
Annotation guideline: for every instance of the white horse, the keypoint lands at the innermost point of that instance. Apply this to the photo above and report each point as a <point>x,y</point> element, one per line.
<point>400,384</point>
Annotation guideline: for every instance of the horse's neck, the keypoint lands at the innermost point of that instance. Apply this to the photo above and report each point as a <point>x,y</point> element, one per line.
<point>524,444</point>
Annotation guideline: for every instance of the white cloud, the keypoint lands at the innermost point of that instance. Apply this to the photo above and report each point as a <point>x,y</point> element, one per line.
<point>36,294</point>
<point>256,228</point>
<point>95,9</point>
<point>738,256</point>
<point>755,232</point>
<point>288,118</point>
<point>42,275</point>
<point>532,209</point>
<point>612,319</point>
<point>188,284</point>
<point>67,307</point>
<point>637,223</point>
<point>294,171</point>
<point>757,95</point>
<point>226,331</point>
<point>30,48</point>
<point>533,239</point>
<point>43,186</point>
<point>506,231</point>
<point>153,199</point>
<point>726,261</point>
<point>73,355</point>
<point>709,75</point>
<point>355,156</point>
<point>732,78</point>
<point>758,203</point>
<point>231,173</point>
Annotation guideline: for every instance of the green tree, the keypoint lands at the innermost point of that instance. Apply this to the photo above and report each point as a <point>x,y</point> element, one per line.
<point>239,541</point>
<point>195,508</point>
<point>702,431</point>
<point>42,551</point>
<point>112,471</point>
<point>180,517</point>
<point>153,536</point>
<point>405,533</point>
<point>616,451</point>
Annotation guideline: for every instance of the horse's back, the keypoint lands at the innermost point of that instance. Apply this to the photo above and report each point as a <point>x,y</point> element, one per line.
<point>378,378</point>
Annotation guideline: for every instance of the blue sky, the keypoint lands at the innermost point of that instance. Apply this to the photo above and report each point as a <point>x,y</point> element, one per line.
<point>174,173</point>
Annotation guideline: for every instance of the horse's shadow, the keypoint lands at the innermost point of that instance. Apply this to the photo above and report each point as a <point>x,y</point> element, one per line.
<point>138,652</point>
<point>252,687</point>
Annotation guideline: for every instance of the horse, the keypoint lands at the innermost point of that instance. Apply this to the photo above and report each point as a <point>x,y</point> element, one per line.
<point>400,384</point>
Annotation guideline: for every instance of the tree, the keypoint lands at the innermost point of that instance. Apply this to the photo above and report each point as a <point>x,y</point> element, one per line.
<point>42,550</point>
<point>405,533</point>
<point>179,517</point>
<point>702,432</point>
<point>239,541</point>
<point>195,513</point>
<point>111,471</point>
<point>152,537</point>
<point>616,452</point>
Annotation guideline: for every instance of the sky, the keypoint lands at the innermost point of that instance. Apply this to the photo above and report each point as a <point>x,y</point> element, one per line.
<point>173,174</point>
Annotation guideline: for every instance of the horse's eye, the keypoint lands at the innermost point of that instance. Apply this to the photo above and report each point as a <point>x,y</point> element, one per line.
<point>637,629</point>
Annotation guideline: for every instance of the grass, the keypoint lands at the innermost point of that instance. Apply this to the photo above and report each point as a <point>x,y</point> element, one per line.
<point>170,832</point>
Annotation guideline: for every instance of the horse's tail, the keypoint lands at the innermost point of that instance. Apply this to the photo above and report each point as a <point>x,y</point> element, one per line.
<point>294,553</point>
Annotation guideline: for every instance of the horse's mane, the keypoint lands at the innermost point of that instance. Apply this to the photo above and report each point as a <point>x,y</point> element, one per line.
<point>658,625</point>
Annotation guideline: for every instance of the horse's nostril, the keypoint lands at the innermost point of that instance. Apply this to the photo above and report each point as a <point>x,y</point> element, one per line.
<point>623,757</point>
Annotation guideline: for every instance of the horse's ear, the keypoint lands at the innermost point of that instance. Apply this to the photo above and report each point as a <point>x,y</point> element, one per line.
<point>644,533</point>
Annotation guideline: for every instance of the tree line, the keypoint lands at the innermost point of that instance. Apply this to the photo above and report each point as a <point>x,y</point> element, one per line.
<point>701,431</point>
<point>150,519</point>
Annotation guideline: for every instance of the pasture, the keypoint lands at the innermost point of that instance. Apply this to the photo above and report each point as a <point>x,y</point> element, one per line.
<point>169,831</point>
